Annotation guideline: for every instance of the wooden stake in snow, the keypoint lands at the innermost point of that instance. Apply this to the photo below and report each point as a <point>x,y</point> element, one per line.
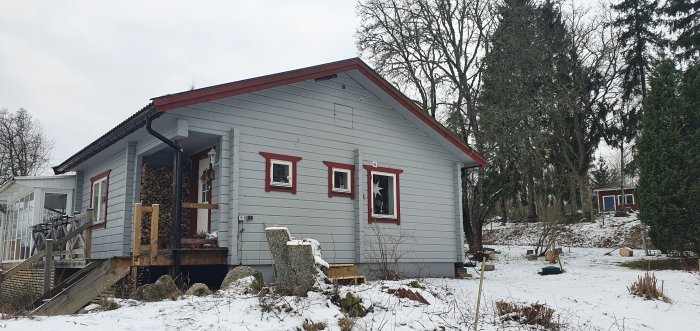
<point>478,298</point>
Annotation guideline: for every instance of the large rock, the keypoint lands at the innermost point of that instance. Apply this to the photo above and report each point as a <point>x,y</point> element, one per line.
<point>163,288</point>
<point>199,290</point>
<point>237,273</point>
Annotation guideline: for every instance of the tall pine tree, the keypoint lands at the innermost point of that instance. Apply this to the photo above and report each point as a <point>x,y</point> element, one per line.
<point>669,159</point>
<point>684,18</point>
<point>637,24</point>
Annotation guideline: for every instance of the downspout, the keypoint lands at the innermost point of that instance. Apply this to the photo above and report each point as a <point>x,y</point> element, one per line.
<point>177,190</point>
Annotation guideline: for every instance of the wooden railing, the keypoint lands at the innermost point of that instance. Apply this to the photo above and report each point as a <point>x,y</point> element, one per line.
<point>139,210</point>
<point>68,244</point>
<point>152,249</point>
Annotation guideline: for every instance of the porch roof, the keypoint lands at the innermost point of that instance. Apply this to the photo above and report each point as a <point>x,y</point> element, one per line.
<point>24,184</point>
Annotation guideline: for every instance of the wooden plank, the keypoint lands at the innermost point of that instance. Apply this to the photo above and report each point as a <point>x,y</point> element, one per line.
<point>136,248</point>
<point>88,236</point>
<point>72,234</point>
<point>194,205</point>
<point>342,270</point>
<point>154,230</point>
<point>85,290</point>
<point>48,265</point>
<point>66,283</point>
<point>24,265</point>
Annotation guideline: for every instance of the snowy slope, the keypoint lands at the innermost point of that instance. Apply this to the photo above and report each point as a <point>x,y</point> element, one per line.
<point>605,232</point>
<point>590,295</point>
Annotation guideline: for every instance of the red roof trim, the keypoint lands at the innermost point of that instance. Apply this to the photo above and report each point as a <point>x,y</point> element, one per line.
<point>184,99</point>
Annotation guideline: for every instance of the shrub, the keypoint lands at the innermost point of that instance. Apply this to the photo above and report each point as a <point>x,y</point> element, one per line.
<point>346,323</point>
<point>416,284</point>
<point>533,314</point>
<point>311,326</point>
<point>645,287</point>
<point>108,303</point>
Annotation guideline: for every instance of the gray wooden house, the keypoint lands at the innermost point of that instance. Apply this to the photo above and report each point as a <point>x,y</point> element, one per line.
<point>333,152</point>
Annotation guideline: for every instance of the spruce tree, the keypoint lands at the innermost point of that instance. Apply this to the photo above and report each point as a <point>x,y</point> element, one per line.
<point>684,18</point>
<point>669,166</point>
<point>637,24</point>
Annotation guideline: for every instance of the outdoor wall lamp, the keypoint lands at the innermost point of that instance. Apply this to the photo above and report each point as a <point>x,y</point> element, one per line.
<point>212,156</point>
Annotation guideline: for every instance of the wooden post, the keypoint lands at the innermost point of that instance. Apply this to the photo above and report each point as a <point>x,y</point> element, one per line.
<point>48,265</point>
<point>136,249</point>
<point>478,299</point>
<point>155,213</point>
<point>88,233</point>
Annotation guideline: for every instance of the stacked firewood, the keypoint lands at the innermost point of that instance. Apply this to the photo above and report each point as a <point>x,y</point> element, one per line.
<point>156,187</point>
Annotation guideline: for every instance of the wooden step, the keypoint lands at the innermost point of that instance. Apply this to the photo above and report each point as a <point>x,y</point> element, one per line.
<point>350,280</point>
<point>71,299</point>
<point>67,283</point>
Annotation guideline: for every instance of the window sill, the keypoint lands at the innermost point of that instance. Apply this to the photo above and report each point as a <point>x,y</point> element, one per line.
<point>282,185</point>
<point>341,191</point>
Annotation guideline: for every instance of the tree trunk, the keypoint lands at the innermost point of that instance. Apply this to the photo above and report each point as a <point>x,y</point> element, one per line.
<point>586,203</point>
<point>504,211</point>
<point>531,209</point>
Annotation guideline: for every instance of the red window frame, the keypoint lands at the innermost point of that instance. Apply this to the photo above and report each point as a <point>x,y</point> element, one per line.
<point>335,165</point>
<point>93,179</point>
<point>268,176</point>
<point>396,172</point>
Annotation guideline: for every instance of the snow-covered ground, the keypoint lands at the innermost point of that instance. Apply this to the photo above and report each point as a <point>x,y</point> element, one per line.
<point>606,231</point>
<point>591,295</point>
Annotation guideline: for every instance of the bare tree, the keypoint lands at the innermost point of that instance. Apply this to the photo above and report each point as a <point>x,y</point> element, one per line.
<point>433,50</point>
<point>24,148</point>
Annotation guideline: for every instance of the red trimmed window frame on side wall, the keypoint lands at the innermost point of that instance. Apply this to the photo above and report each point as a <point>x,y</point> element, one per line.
<point>335,165</point>
<point>93,179</point>
<point>370,169</point>
<point>269,157</point>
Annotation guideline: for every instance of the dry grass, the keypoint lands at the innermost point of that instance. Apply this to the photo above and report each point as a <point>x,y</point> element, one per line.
<point>108,303</point>
<point>533,314</point>
<point>646,287</point>
<point>311,326</point>
<point>346,323</point>
<point>16,305</point>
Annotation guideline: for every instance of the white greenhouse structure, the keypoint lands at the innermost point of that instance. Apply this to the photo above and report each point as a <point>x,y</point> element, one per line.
<point>29,201</point>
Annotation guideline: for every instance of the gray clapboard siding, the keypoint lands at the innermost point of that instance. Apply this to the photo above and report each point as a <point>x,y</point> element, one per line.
<point>108,242</point>
<point>298,120</point>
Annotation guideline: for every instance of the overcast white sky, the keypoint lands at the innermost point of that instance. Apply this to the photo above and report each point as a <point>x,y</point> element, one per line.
<point>82,67</point>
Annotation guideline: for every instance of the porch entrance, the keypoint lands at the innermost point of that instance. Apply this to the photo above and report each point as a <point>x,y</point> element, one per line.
<point>202,176</point>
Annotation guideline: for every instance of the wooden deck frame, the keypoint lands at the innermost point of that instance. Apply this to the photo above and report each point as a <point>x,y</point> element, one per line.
<point>150,255</point>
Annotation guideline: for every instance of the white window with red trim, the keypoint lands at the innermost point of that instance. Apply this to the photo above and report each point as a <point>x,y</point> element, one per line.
<point>341,180</point>
<point>280,172</point>
<point>384,204</point>
<point>98,197</point>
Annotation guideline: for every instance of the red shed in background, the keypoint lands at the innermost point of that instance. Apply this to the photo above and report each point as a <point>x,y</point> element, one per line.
<point>611,199</point>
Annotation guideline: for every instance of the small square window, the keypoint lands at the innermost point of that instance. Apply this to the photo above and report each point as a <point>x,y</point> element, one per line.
<point>341,179</point>
<point>281,173</point>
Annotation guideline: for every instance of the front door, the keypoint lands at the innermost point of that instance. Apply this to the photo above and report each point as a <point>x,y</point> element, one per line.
<point>203,195</point>
<point>609,203</point>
